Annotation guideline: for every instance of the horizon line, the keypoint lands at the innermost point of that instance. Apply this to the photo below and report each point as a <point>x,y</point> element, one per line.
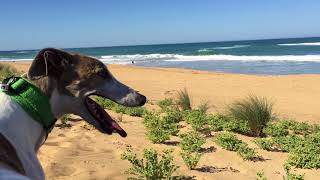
<point>165,43</point>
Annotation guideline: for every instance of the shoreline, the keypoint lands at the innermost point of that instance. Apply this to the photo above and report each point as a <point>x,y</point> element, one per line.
<point>24,65</point>
<point>294,96</point>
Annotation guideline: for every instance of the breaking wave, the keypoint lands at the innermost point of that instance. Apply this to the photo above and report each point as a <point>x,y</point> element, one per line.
<point>127,59</point>
<point>222,48</point>
<point>301,44</point>
<point>124,59</point>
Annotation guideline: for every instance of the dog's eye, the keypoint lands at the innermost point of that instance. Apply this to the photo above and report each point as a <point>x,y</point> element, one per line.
<point>103,74</point>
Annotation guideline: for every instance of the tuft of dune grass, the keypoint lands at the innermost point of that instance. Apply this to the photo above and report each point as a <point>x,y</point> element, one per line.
<point>6,71</point>
<point>257,111</point>
<point>184,100</point>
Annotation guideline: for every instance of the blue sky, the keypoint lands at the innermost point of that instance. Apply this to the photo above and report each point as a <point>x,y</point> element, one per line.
<point>34,24</point>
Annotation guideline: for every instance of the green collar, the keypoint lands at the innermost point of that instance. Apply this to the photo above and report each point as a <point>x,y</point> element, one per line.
<point>31,99</point>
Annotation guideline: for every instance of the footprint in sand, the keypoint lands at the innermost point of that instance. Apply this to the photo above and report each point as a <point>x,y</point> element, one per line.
<point>60,170</point>
<point>59,144</point>
<point>52,143</point>
<point>85,147</point>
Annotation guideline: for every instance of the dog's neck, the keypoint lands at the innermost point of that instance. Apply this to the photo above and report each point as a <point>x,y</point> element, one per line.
<point>49,87</point>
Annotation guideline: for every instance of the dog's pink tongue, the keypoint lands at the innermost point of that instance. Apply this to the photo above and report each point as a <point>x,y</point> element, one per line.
<point>105,118</point>
<point>119,130</point>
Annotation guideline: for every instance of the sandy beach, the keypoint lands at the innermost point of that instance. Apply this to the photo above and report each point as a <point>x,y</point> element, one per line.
<point>81,153</point>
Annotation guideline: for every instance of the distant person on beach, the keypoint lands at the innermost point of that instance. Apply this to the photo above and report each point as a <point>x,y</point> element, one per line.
<point>132,62</point>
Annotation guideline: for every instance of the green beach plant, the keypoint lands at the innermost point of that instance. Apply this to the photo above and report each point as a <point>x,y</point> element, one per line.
<point>261,176</point>
<point>105,103</point>
<point>290,175</point>
<point>191,159</point>
<point>246,152</point>
<point>204,107</point>
<point>158,129</point>
<point>191,141</point>
<point>301,128</point>
<point>219,122</point>
<point>131,111</point>
<point>165,104</point>
<point>257,111</point>
<point>170,122</point>
<point>152,166</point>
<point>230,142</point>
<point>175,116</point>
<point>275,129</point>
<point>267,144</point>
<point>305,153</point>
<point>197,119</point>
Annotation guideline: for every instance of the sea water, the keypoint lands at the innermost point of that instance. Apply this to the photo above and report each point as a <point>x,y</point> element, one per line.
<point>270,57</point>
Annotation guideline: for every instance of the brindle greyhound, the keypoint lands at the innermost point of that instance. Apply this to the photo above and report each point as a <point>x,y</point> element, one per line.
<point>68,80</point>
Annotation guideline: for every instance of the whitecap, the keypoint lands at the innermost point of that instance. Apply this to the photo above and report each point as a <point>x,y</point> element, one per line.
<point>301,44</point>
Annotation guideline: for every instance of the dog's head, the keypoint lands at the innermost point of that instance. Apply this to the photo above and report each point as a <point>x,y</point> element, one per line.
<point>70,79</point>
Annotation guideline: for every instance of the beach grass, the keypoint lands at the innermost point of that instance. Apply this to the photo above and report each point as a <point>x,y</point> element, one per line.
<point>183,100</point>
<point>6,71</point>
<point>257,111</point>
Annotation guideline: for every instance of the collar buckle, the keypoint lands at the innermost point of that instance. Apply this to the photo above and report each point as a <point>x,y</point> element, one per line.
<point>4,87</point>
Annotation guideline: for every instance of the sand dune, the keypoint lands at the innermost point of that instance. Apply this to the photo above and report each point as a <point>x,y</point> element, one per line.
<point>79,153</point>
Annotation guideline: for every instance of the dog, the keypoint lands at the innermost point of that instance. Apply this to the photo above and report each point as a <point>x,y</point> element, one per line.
<point>68,80</point>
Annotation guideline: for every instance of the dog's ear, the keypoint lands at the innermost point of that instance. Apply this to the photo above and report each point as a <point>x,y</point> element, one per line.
<point>48,62</point>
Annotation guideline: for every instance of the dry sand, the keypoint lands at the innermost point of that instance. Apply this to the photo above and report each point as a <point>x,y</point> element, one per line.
<point>79,153</point>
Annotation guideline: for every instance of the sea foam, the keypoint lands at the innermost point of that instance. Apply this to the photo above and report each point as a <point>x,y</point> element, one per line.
<point>124,59</point>
<point>301,44</point>
<point>127,59</point>
<point>222,48</point>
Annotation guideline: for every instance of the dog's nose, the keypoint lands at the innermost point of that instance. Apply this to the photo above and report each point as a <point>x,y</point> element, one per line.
<point>143,100</point>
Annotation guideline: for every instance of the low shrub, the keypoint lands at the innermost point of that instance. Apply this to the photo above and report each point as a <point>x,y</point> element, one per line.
<point>165,104</point>
<point>131,111</point>
<point>119,109</point>
<point>315,128</point>
<point>275,130</point>
<point>152,166</point>
<point>105,103</point>
<point>157,129</point>
<point>261,176</point>
<point>257,111</point>
<point>197,119</point>
<point>301,128</point>
<point>135,111</point>
<point>290,175</point>
<point>219,122</point>
<point>170,123</point>
<point>191,159</point>
<point>246,152</point>
<point>191,141</point>
<point>266,144</point>
<point>230,142</point>
<point>175,116</point>
<point>288,143</point>
<point>305,153</point>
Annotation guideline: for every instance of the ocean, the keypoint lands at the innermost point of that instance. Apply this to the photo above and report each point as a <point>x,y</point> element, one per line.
<point>265,57</point>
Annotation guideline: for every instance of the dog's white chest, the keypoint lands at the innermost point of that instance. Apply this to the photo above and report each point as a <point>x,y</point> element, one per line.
<point>23,133</point>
